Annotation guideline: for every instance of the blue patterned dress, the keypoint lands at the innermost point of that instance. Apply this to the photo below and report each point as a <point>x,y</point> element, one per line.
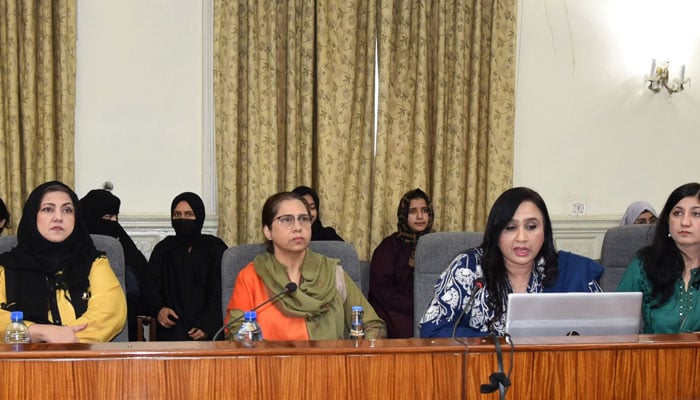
<point>456,284</point>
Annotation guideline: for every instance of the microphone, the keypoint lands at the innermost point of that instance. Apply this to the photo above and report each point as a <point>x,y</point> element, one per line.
<point>499,380</point>
<point>478,285</point>
<point>289,288</point>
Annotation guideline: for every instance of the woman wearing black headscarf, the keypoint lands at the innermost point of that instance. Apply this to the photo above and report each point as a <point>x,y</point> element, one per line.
<point>83,300</point>
<point>391,268</point>
<point>4,216</point>
<point>100,209</point>
<point>183,282</point>
<point>318,231</point>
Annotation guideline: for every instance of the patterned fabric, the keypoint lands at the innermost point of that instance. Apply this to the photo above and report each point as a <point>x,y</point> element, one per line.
<point>456,284</point>
<point>37,85</point>
<point>294,100</point>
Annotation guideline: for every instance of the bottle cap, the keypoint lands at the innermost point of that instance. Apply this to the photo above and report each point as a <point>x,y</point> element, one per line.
<point>357,308</point>
<point>250,315</point>
<point>16,315</point>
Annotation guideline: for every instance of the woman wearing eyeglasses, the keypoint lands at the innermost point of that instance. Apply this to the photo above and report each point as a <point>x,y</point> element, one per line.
<point>182,288</point>
<point>321,306</point>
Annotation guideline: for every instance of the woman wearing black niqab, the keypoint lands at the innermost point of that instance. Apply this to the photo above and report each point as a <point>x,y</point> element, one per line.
<point>100,209</point>
<point>83,300</point>
<point>183,282</point>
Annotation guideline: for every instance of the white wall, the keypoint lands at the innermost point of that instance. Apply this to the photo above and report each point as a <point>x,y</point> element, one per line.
<point>139,111</point>
<point>586,126</point>
<point>586,129</point>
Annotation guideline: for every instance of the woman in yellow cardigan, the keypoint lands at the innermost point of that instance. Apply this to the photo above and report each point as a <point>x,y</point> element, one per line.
<point>55,275</point>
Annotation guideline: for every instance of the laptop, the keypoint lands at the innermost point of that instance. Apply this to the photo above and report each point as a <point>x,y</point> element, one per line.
<point>573,314</point>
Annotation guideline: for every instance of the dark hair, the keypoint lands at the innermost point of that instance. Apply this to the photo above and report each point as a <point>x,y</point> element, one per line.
<point>494,268</point>
<point>304,190</point>
<point>662,260</point>
<point>272,205</point>
<point>4,214</point>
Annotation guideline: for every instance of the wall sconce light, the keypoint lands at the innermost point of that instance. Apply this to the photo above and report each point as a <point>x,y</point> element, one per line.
<point>658,78</point>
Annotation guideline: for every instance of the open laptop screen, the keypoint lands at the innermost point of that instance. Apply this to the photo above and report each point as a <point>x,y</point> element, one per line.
<point>557,314</point>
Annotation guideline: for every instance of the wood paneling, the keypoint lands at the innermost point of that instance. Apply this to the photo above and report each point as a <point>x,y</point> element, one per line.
<point>648,367</point>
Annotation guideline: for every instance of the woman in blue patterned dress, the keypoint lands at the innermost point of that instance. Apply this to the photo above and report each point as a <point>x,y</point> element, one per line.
<point>517,255</point>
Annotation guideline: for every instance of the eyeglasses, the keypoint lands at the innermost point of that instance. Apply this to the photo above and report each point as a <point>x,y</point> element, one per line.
<point>288,220</point>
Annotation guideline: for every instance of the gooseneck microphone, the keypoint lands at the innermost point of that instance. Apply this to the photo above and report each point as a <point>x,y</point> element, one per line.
<point>289,288</point>
<point>478,286</point>
<point>500,380</point>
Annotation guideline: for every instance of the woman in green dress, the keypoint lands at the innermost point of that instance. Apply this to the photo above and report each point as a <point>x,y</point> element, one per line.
<point>666,271</point>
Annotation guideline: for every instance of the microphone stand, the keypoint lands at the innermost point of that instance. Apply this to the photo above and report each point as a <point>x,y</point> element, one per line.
<point>479,285</point>
<point>291,287</point>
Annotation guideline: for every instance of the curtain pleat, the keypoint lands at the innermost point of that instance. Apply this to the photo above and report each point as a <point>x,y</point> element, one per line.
<point>37,91</point>
<point>294,94</point>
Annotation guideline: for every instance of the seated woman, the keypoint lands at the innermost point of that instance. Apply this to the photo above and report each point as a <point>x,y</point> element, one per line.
<point>639,212</point>
<point>182,287</point>
<point>667,271</point>
<point>391,269</point>
<point>4,216</point>
<point>318,231</point>
<point>65,287</point>
<point>100,210</point>
<point>517,255</point>
<point>321,306</point>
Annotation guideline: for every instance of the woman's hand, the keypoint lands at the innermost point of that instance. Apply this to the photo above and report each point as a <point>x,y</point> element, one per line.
<point>54,333</point>
<point>197,334</point>
<point>167,317</point>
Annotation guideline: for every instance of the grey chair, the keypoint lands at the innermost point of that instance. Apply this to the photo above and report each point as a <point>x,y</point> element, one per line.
<point>620,244</point>
<point>115,254</point>
<point>237,257</point>
<point>434,253</point>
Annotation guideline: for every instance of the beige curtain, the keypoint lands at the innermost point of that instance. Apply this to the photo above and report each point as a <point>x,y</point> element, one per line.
<point>446,109</point>
<point>37,88</point>
<point>293,86</point>
<point>293,89</point>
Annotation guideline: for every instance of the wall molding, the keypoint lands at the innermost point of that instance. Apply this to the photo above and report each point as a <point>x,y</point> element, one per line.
<point>582,235</point>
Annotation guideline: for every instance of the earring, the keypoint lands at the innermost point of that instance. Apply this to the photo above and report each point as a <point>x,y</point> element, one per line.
<point>669,234</point>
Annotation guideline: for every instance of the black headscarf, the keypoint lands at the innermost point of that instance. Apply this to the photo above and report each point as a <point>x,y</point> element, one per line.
<point>94,206</point>
<point>318,231</point>
<point>4,214</point>
<point>37,267</point>
<point>188,231</point>
<point>405,232</point>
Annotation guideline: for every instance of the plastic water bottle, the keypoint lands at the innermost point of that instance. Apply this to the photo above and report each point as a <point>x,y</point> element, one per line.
<point>17,331</point>
<point>250,331</point>
<point>357,325</point>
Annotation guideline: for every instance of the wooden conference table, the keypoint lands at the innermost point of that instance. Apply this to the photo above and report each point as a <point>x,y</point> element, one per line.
<point>613,367</point>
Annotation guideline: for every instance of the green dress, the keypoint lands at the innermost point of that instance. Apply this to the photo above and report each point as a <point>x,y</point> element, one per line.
<point>679,314</point>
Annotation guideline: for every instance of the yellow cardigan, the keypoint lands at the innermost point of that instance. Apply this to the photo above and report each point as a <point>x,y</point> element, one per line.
<point>106,312</point>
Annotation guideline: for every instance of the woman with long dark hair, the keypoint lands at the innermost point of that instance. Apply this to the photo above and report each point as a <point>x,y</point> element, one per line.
<point>666,271</point>
<point>517,255</point>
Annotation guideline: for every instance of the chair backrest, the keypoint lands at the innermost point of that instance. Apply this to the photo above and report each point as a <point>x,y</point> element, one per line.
<point>620,244</point>
<point>434,253</point>
<point>237,257</point>
<point>115,254</point>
